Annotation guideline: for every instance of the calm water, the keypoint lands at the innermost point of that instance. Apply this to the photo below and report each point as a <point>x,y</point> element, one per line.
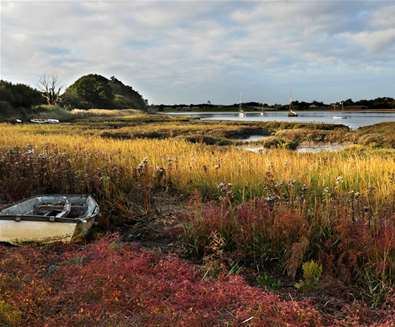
<point>252,138</point>
<point>353,119</point>
<point>301,149</point>
<point>321,148</point>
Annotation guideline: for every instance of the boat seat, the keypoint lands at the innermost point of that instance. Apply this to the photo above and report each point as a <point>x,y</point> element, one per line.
<point>50,210</point>
<point>66,210</point>
<point>50,207</point>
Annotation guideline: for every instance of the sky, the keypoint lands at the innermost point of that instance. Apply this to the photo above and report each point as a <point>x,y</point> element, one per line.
<point>195,51</point>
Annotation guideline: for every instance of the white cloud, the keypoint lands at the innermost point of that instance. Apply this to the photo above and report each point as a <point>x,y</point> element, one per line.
<point>374,41</point>
<point>384,17</point>
<point>181,51</point>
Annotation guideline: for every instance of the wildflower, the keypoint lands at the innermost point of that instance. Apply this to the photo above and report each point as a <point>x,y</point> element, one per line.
<point>225,190</point>
<point>142,167</point>
<point>271,201</point>
<point>160,174</point>
<point>160,171</point>
<point>326,193</point>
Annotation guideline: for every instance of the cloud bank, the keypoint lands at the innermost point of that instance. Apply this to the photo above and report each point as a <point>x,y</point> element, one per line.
<point>194,51</point>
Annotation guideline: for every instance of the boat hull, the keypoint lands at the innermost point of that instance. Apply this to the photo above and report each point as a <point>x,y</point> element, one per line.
<point>15,232</point>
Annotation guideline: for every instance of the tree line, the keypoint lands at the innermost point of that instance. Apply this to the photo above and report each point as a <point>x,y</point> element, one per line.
<point>96,91</point>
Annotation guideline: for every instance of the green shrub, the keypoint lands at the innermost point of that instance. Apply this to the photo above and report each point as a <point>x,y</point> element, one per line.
<point>311,275</point>
<point>53,112</point>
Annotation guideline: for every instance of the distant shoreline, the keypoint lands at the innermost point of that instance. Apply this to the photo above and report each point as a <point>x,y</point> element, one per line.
<point>249,110</point>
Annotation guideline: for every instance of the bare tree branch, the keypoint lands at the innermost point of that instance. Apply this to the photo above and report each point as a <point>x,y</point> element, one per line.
<point>50,89</point>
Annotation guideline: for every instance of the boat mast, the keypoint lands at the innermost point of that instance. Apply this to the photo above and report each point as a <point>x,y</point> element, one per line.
<point>291,113</point>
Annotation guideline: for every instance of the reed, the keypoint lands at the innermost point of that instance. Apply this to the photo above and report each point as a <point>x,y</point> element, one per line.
<point>194,166</point>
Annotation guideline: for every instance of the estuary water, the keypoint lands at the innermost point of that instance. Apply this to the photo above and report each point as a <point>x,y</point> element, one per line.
<point>352,119</point>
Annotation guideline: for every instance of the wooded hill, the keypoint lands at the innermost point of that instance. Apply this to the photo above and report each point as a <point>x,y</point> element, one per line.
<point>89,91</point>
<point>96,91</point>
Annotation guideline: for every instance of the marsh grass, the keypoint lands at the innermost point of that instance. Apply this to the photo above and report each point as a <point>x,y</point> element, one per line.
<point>279,208</point>
<point>196,166</point>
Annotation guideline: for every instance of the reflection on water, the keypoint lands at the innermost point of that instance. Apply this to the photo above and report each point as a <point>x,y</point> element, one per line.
<point>321,148</point>
<point>253,138</point>
<point>353,119</point>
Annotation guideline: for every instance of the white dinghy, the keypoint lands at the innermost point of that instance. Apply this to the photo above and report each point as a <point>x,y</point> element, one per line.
<point>48,218</point>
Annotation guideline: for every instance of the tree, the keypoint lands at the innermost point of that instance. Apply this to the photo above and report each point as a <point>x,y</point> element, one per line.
<point>19,95</point>
<point>348,102</point>
<point>48,85</point>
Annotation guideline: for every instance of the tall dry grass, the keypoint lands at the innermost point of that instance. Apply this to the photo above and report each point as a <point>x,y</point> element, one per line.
<point>194,166</point>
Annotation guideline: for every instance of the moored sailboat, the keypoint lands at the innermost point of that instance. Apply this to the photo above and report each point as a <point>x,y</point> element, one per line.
<point>291,113</point>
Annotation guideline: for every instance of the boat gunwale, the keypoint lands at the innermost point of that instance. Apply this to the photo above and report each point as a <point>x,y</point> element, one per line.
<point>39,218</point>
<point>52,219</point>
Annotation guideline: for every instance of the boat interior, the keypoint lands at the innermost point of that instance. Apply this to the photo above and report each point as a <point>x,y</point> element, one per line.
<point>53,206</point>
<point>58,210</point>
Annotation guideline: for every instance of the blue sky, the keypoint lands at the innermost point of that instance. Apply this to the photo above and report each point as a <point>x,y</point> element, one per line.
<point>194,51</point>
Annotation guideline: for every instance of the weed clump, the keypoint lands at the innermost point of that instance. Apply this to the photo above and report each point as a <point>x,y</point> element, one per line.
<point>312,272</point>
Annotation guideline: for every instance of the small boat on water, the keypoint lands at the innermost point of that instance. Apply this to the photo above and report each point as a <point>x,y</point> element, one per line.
<point>241,111</point>
<point>335,106</point>
<point>262,113</point>
<point>48,218</point>
<point>291,113</point>
<point>45,121</point>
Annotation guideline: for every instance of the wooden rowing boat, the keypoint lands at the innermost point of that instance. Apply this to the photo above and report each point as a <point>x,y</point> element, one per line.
<point>48,218</point>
